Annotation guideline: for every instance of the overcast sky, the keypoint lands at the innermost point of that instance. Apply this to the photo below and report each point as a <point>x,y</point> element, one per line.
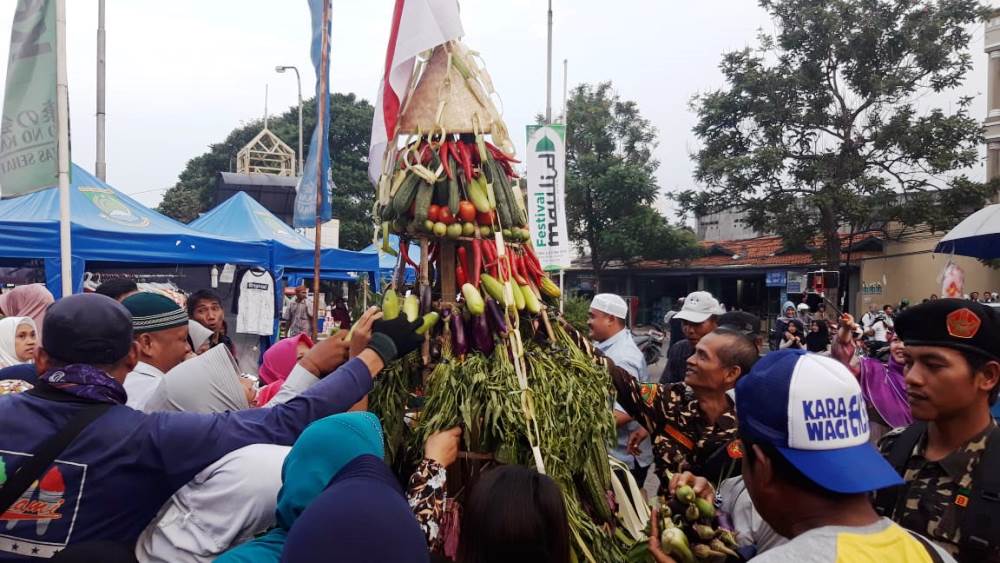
<point>182,74</point>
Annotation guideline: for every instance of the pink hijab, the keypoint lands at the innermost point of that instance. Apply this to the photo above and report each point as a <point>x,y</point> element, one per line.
<point>278,363</point>
<point>27,301</point>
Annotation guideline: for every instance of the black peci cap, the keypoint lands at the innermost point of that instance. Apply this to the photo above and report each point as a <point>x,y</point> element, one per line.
<point>952,323</point>
<point>87,329</point>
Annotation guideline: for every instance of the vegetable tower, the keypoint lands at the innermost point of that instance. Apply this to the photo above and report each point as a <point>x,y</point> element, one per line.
<point>524,386</point>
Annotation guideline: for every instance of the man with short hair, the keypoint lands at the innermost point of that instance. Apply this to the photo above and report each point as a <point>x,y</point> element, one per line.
<point>205,306</point>
<point>606,321</point>
<point>950,458</point>
<point>692,424</point>
<point>118,289</point>
<point>809,468</point>
<point>116,474</point>
<point>699,316</point>
<point>299,313</point>
<point>160,327</point>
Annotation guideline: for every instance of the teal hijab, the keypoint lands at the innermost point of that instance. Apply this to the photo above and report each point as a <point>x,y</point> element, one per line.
<point>323,449</point>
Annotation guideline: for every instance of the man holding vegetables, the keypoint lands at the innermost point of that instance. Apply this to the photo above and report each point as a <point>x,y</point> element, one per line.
<point>692,424</point>
<point>606,321</point>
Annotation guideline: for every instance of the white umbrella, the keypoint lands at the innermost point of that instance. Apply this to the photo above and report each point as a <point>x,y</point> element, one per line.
<point>978,235</point>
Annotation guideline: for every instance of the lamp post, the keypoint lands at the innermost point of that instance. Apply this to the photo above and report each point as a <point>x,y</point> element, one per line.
<point>298,79</point>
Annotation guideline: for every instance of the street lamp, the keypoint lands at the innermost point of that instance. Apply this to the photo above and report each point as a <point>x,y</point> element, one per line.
<point>298,79</point>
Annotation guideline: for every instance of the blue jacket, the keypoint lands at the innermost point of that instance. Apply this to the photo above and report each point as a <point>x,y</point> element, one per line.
<point>113,479</point>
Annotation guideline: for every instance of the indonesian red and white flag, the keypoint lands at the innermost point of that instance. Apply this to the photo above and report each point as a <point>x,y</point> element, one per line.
<point>417,26</point>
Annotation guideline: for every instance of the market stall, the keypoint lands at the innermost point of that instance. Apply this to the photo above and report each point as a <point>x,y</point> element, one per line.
<point>387,259</point>
<point>110,227</point>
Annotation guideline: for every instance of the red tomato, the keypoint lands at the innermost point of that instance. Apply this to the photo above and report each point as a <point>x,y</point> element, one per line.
<point>485,218</point>
<point>445,216</point>
<point>434,212</point>
<point>466,211</point>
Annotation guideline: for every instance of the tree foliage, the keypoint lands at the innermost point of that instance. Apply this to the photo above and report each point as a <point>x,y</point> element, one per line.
<point>824,126</point>
<point>610,183</point>
<point>350,128</point>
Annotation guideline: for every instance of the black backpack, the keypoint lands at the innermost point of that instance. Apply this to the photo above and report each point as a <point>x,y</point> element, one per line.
<point>980,519</point>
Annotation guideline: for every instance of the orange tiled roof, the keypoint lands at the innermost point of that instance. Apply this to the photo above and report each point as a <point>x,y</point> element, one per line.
<point>757,252</point>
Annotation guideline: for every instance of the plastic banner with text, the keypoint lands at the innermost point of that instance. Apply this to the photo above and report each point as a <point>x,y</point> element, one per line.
<point>546,179</point>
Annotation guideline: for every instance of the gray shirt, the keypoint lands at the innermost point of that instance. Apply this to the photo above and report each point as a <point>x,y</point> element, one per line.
<point>881,541</point>
<point>626,355</point>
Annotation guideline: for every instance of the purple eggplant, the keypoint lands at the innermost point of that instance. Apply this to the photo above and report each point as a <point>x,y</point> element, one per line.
<point>459,347</point>
<point>496,316</point>
<point>481,336</point>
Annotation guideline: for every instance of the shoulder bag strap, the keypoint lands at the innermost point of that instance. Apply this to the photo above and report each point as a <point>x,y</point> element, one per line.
<point>931,552</point>
<point>42,458</point>
<point>887,499</point>
<point>980,520</point>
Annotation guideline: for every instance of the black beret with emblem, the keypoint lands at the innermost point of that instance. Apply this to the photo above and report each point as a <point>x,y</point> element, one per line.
<point>952,323</point>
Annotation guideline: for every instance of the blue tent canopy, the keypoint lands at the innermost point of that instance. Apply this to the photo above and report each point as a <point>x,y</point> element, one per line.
<point>243,218</point>
<point>387,262</point>
<point>109,226</point>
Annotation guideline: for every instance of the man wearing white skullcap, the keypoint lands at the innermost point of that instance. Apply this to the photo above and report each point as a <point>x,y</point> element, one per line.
<point>607,329</point>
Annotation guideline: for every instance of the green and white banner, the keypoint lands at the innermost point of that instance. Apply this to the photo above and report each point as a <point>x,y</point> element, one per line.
<point>546,162</point>
<point>28,131</point>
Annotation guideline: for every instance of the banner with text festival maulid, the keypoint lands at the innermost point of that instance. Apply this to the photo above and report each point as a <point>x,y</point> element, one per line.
<point>28,153</point>
<point>546,177</point>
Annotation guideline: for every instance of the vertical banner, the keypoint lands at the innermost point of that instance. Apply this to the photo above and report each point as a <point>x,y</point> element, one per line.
<point>319,147</point>
<point>546,162</point>
<point>28,132</point>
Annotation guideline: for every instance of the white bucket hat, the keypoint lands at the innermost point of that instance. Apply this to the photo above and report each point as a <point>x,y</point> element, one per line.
<point>699,307</point>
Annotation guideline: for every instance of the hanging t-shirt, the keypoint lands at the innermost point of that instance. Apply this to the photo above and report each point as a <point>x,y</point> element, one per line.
<point>256,304</point>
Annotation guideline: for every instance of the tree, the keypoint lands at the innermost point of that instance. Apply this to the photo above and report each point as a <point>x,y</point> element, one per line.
<point>610,183</point>
<point>350,128</point>
<point>822,127</point>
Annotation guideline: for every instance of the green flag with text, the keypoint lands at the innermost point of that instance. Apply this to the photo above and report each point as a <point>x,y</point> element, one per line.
<point>28,139</point>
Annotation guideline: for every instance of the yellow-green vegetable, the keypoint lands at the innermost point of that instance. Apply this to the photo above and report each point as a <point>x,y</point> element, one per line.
<point>411,307</point>
<point>473,299</point>
<point>430,319</point>
<point>390,305</point>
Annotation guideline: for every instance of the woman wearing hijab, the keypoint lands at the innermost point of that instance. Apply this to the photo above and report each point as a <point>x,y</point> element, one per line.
<point>882,385</point>
<point>323,450</point>
<point>278,363</point>
<point>27,301</point>
<point>18,339</point>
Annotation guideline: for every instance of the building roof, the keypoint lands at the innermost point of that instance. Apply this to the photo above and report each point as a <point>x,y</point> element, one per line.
<point>760,252</point>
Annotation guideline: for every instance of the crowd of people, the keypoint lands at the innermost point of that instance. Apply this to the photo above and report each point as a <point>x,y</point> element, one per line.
<point>130,434</point>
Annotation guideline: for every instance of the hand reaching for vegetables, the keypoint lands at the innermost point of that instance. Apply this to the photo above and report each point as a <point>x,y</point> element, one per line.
<point>326,356</point>
<point>702,488</point>
<point>442,446</point>
<point>655,548</point>
<point>636,438</point>
<point>361,333</point>
<point>396,338</point>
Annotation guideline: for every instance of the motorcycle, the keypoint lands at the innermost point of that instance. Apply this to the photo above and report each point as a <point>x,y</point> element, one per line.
<point>649,339</point>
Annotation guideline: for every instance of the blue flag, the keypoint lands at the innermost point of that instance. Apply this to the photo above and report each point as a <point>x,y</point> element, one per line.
<point>316,171</point>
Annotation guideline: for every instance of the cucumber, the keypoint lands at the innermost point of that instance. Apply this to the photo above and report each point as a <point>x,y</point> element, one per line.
<point>430,319</point>
<point>503,205</point>
<point>441,196</point>
<point>477,194</point>
<point>474,303</point>
<point>424,193</point>
<point>493,287</point>
<point>411,307</point>
<point>390,305</point>
<point>404,197</point>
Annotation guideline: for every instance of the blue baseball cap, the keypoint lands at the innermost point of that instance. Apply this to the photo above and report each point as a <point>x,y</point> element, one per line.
<point>810,408</point>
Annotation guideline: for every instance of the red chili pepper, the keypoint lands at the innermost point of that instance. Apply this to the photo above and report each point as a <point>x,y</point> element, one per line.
<point>466,160</point>
<point>476,267</point>
<point>460,278</point>
<point>425,153</point>
<point>443,155</point>
<point>499,155</point>
<point>518,270</point>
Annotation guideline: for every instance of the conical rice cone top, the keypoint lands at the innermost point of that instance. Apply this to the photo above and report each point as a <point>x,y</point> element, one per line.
<point>444,100</point>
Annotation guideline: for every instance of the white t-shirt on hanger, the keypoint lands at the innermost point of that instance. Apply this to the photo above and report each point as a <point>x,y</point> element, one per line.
<point>256,304</point>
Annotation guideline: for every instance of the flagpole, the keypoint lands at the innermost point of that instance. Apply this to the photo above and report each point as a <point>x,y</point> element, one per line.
<point>548,74</point>
<point>101,166</point>
<point>320,173</point>
<point>62,113</point>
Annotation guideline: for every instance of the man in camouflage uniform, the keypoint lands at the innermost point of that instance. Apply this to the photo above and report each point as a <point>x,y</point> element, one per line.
<point>693,424</point>
<point>952,374</point>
